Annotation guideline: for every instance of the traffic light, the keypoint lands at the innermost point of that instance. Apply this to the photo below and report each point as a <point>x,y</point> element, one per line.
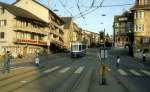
<point>101,35</point>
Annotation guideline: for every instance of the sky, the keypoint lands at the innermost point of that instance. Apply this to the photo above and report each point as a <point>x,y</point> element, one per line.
<point>88,14</point>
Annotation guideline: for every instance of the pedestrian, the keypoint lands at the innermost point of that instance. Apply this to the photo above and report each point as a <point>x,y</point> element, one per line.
<point>144,57</point>
<point>118,62</point>
<point>37,61</point>
<point>6,64</point>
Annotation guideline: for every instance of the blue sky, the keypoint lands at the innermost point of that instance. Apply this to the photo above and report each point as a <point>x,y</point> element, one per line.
<point>92,21</point>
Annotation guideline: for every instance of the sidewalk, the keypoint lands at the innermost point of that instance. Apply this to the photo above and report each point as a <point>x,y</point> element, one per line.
<point>138,58</point>
<point>30,58</point>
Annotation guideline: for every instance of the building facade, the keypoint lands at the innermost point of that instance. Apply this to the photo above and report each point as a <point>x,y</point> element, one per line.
<point>24,30</point>
<point>123,29</point>
<point>141,11</point>
<point>72,33</point>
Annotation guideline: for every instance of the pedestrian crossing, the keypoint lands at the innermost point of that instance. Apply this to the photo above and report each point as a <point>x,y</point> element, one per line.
<point>123,72</point>
<point>133,72</point>
<point>78,70</point>
<point>62,70</point>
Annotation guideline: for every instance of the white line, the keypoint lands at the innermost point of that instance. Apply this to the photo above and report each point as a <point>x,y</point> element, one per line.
<point>23,81</point>
<point>79,70</point>
<point>146,72</point>
<point>122,72</point>
<point>134,72</point>
<point>109,69</point>
<point>13,68</point>
<point>52,69</point>
<point>17,68</point>
<point>64,70</point>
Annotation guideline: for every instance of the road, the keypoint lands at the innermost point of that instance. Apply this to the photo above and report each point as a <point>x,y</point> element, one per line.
<point>60,73</point>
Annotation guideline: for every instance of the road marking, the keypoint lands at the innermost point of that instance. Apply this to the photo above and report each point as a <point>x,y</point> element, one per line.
<point>23,81</point>
<point>79,70</point>
<point>122,72</point>
<point>52,69</point>
<point>17,68</point>
<point>146,72</point>
<point>64,70</point>
<point>13,68</point>
<point>134,72</point>
<point>109,69</point>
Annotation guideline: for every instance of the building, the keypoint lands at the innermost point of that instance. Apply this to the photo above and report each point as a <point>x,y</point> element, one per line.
<point>141,11</point>
<point>90,38</point>
<point>72,33</point>
<point>123,29</point>
<point>55,35</point>
<point>27,26</point>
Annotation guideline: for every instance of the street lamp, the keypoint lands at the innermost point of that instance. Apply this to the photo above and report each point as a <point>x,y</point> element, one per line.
<point>131,39</point>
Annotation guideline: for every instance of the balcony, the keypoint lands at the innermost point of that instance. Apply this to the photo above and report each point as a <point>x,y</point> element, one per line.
<point>56,33</point>
<point>30,29</point>
<point>61,27</point>
<point>29,41</point>
<point>57,42</point>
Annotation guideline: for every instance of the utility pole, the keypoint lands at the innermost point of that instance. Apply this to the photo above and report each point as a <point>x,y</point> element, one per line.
<point>103,57</point>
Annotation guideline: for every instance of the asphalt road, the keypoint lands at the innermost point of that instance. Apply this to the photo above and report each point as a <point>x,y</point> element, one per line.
<point>61,73</point>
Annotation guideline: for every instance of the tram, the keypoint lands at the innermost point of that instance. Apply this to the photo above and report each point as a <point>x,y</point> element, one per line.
<point>78,49</point>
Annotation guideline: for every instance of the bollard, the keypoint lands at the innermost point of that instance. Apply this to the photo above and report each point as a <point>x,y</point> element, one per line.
<point>103,71</point>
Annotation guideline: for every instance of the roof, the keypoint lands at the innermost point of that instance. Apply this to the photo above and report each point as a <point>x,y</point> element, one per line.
<point>67,21</point>
<point>44,7</point>
<point>20,12</point>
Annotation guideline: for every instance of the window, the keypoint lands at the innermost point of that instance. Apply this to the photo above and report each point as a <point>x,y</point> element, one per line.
<point>3,22</point>
<point>32,36</point>
<point>135,15</point>
<point>116,24</point>
<point>2,10</point>
<point>123,24</point>
<point>142,14</point>
<point>145,40</point>
<point>139,14</point>
<point>127,39</point>
<point>139,27</point>
<point>2,35</point>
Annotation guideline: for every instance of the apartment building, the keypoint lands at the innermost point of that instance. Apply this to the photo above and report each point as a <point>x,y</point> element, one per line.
<point>55,35</point>
<point>123,29</point>
<point>27,26</point>
<point>141,11</point>
<point>90,38</point>
<point>72,33</point>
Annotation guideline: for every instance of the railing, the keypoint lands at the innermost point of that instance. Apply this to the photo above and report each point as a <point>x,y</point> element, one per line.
<point>56,41</point>
<point>30,41</point>
<point>30,29</point>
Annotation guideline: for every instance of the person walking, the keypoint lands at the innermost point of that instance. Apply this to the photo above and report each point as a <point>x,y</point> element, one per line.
<point>144,57</point>
<point>37,60</point>
<point>6,64</point>
<point>118,62</point>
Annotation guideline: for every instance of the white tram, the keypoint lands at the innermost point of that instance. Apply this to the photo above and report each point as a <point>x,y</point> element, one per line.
<point>78,49</point>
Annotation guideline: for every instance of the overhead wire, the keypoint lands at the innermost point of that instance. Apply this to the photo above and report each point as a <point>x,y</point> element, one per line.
<point>63,5</point>
<point>90,11</point>
<point>92,4</point>
<point>108,5</point>
<point>78,7</point>
<point>97,7</point>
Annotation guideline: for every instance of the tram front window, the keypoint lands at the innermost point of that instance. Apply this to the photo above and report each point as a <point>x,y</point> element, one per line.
<point>74,47</point>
